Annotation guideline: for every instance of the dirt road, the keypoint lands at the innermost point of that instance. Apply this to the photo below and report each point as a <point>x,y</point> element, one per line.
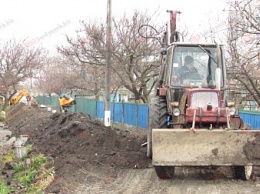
<point>137,181</point>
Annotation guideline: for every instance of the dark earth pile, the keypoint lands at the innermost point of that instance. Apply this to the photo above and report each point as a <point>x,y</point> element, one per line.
<point>77,143</point>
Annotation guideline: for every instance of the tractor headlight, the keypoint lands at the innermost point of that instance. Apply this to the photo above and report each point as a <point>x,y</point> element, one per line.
<point>232,111</point>
<point>176,112</point>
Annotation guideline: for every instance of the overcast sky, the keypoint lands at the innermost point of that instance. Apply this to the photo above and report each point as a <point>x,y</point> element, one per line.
<point>45,22</point>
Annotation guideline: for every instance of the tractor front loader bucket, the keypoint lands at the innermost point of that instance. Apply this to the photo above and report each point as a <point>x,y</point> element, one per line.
<point>203,147</point>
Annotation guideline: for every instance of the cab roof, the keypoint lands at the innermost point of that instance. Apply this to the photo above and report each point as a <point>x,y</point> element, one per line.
<point>195,43</point>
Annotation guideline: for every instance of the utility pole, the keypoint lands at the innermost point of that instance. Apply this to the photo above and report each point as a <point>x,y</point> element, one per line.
<point>108,64</point>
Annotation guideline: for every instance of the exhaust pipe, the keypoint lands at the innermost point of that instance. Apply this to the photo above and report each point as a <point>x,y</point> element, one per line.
<point>218,70</point>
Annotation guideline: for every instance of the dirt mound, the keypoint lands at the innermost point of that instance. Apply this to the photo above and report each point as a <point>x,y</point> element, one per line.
<point>74,141</point>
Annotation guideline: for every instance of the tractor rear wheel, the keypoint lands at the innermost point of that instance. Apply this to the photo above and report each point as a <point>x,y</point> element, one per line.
<point>157,119</point>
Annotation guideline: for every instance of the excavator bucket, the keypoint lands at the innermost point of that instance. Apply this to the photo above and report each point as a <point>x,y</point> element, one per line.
<point>203,147</point>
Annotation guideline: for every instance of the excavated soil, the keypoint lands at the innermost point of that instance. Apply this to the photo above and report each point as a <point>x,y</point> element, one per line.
<point>76,144</point>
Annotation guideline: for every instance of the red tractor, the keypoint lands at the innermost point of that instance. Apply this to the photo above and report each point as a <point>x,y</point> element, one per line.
<point>192,121</point>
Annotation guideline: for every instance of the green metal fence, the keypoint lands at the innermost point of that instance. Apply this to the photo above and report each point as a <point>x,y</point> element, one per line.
<point>86,106</point>
<point>52,101</point>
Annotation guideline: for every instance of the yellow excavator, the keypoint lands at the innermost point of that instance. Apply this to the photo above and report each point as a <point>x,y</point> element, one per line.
<point>23,93</point>
<point>66,102</point>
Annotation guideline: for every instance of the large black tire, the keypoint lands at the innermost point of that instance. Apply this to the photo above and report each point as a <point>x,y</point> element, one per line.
<point>243,172</point>
<point>157,119</point>
<point>158,116</point>
<point>165,172</point>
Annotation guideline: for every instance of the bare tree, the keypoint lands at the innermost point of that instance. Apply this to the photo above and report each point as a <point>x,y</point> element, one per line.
<point>243,49</point>
<point>64,73</point>
<point>54,76</point>
<point>17,63</point>
<point>134,63</point>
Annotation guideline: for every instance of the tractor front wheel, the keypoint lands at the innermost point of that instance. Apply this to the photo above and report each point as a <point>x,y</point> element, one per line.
<point>243,172</point>
<point>165,172</point>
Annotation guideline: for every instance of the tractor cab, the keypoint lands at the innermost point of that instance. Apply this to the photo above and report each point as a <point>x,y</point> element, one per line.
<point>190,65</point>
<point>193,65</point>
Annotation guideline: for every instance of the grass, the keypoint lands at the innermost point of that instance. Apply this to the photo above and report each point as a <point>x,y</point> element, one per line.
<point>4,188</point>
<point>30,174</point>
